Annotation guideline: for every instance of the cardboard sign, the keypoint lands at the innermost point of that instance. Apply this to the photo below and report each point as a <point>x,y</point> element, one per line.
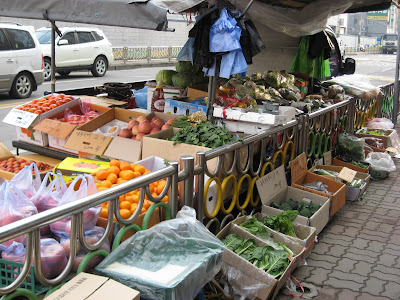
<point>394,139</point>
<point>55,128</point>
<point>272,183</point>
<point>299,166</point>
<point>347,174</point>
<point>20,118</point>
<point>328,158</point>
<point>391,149</point>
<point>319,162</point>
<point>88,142</point>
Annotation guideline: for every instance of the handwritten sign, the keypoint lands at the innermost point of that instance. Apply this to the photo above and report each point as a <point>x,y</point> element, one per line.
<point>20,118</point>
<point>88,142</point>
<point>347,174</point>
<point>55,128</point>
<point>271,184</point>
<point>394,139</point>
<point>391,149</point>
<point>319,162</point>
<point>328,158</point>
<point>299,166</point>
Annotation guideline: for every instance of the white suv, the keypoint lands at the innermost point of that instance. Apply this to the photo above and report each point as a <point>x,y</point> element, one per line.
<point>78,48</point>
<point>21,60</point>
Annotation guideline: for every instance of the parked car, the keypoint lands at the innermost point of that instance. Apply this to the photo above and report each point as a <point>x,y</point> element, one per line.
<point>21,60</point>
<point>78,48</point>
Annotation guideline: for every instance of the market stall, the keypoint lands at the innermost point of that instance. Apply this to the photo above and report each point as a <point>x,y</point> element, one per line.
<point>248,178</point>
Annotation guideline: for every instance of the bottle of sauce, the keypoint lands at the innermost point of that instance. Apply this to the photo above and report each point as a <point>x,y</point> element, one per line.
<point>158,100</point>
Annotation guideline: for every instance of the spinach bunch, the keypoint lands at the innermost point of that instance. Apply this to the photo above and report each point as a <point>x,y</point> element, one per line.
<point>273,262</point>
<point>282,223</point>
<point>303,209</point>
<point>204,134</point>
<point>256,228</point>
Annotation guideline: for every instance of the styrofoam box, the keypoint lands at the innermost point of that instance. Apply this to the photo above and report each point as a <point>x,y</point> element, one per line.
<point>286,113</point>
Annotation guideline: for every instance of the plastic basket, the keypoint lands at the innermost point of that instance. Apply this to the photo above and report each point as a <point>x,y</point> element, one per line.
<point>9,269</point>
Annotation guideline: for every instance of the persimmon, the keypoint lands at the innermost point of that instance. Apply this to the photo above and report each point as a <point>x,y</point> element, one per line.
<point>135,199</point>
<point>102,174</point>
<point>121,198</point>
<point>160,187</point>
<point>112,177</point>
<point>126,174</point>
<point>125,166</point>
<point>120,180</point>
<point>104,212</point>
<point>139,168</point>
<point>115,163</point>
<point>136,174</point>
<point>128,199</point>
<point>114,169</point>
<point>125,213</point>
<point>106,184</point>
<point>133,208</point>
<point>125,204</point>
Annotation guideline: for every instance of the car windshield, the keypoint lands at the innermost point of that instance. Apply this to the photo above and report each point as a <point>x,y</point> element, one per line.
<point>390,37</point>
<point>44,36</point>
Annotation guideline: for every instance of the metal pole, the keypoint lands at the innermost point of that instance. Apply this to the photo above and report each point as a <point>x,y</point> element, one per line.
<point>173,202</point>
<point>396,79</point>
<point>199,205</point>
<point>187,165</point>
<point>53,57</point>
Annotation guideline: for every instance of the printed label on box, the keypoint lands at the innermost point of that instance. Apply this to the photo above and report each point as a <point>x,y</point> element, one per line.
<point>20,118</point>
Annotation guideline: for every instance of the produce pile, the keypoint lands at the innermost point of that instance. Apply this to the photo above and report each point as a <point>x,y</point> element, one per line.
<point>13,165</point>
<point>372,132</point>
<point>191,120</point>
<point>185,75</point>
<point>303,209</point>
<point>272,260</point>
<point>78,119</point>
<point>325,172</point>
<point>45,104</point>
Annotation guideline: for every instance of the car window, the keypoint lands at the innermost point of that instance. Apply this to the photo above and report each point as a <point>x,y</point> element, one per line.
<point>97,36</point>
<point>70,37</point>
<point>85,37</point>
<point>44,36</point>
<point>20,39</point>
<point>4,43</point>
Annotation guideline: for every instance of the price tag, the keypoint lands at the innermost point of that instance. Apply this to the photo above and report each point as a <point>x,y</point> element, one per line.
<point>20,118</point>
<point>347,174</point>
<point>328,158</point>
<point>88,142</point>
<point>55,128</point>
<point>391,149</point>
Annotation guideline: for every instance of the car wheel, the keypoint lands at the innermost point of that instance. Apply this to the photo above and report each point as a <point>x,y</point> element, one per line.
<point>64,73</point>
<point>47,69</point>
<point>100,66</point>
<point>22,86</point>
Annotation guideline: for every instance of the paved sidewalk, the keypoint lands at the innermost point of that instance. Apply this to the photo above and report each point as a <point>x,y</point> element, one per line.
<point>358,253</point>
<point>131,64</point>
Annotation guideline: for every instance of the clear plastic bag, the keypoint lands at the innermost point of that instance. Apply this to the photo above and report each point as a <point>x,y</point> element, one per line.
<point>381,164</point>
<point>225,34</point>
<point>352,147</point>
<point>50,192</point>
<point>380,123</point>
<point>14,206</point>
<point>27,180</point>
<point>82,186</point>
<point>172,260</point>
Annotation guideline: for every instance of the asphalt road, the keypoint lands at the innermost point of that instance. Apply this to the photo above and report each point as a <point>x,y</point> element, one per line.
<point>378,68</point>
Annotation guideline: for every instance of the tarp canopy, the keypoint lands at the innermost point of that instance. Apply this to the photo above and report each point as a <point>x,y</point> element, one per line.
<point>135,14</point>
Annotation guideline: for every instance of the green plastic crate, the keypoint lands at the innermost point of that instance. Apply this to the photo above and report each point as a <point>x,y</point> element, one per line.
<point>10,268</point>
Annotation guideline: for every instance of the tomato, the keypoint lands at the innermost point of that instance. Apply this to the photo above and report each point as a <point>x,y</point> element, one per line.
<point>46,109</point>
<point>11,159</point>
<point>20,108</point>
<point>9,170</point>
<point>52,106</point>
<point>34,101</point>
<point>23,165</point>
<point>53,101</point>
<point>29,162</point>
<point>59,102</point>
<point>45,104</point>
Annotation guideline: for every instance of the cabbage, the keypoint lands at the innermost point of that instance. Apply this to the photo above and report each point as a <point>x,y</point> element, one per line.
<point>186,66</point>
<point>183,79</point>
<point>165,76</point>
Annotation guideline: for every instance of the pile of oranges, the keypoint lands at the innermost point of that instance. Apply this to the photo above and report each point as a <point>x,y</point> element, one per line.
<point>46,103</point>
<point>122,171</point>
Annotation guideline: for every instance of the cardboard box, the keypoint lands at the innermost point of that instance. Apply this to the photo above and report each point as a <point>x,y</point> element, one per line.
<point>72,167</point>
<point>352,193</point>
<point>338,162</point>
<point>305,235</point>
<point>26,121</point>
<point>182,107</point>
<point>85,286</point>
<point>250,275</point>
<point>301,176</point>
<point>391,138</point>
<point>273,188</point>
<point>169,92</point>
<point>6,154</point>
<point>59,132</point>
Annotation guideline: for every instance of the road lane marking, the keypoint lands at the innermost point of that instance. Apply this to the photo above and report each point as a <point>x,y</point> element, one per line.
<point>12,104</point>
<point>72,80</point>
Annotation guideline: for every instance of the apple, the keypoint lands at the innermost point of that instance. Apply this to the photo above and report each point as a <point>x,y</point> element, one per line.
<point>159,123</point>
<point>132,123</point>
<point>169,122</point>
<point>135,130</point>
<point>145,127</point>
<point>153,125</point>
<point>140,136</point>
<point>126,133</point>
<point>141,119</point>
<point>165,126</point>
<point>154,130</point>
<point>154,119</point>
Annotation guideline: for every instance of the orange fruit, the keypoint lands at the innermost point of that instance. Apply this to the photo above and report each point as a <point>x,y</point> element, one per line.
<point>125,166</point>
<point>106,183</point>
<point>160,187</point>
<point>112,177</point>
<point>125,204</point>
<point>165,199</point>
<point>137,174</point>
<point>102,188</point>
<point>127,174</point>
<point>98,184</point>
<point>143,210</point>
<point>129,199</point>
<point>155,195</point>
<point>146,204</point>
<point>139,168</point>
<point>114,169</point>
<point>102,174</point>
<point>135,199</point>
<point>147,172</point>
<point>121,198</point>
<point>120,180</point>
<point>115,162</point>
<point>104,212</point>
<point>125,213</point>
<point>133,208</point>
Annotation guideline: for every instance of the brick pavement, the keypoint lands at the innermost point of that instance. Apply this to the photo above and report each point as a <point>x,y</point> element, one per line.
<point>358,254</point>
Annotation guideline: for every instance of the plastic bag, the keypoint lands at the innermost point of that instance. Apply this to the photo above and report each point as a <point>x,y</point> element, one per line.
<point>84,185</point>
<point>82,116</point>
<point>27,180</point>
<point>91,237</point>
<point>351,147</point>
<point>373,142</point>
<point>380,123</point>
<point>186,53</point>
<point>50,192</point>
<point>141,98</point>
<point>381,164</point>
<point>53,258</point>
<point>14,206</point>
<point>356,85</point>
<point>224,34</point>
<point>172,260</point>
<point>112,128</point>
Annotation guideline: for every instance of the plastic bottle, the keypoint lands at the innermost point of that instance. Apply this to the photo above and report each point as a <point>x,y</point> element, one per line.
<point>158,100</point>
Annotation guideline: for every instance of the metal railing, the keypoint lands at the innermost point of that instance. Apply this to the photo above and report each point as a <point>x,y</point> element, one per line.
<point>229,172</point>
<point>146,53</point>
<point>388,100</point>
<point>371,50</point>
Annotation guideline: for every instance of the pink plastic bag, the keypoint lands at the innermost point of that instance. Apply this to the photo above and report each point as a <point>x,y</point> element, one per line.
<point>50,192</point>
<point>14,206</point>
<point>84,115</point>
<point>27,180</point>
<point>91,237</point>
<point>53,258</point>
<point>380,123</point>
<point>90,216</point>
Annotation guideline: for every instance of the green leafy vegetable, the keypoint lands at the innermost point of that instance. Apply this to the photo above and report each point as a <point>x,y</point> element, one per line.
<point>303,209</point>
<point>282,223</point>
<point>181,122</point>
<point>358,164</point>
<point>325,172</point>
<point>356,183</point>
<point>372,132</point>
<point>256,228</point>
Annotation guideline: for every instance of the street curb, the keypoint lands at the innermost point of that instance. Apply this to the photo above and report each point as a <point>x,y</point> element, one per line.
<point>129,66</point>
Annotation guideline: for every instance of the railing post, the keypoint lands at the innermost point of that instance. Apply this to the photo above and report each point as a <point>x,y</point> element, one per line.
<point>379,104</point>
<point>169,53</point>
<point>125,54</point>
<point>148,54</point>
<point>304,120</point>
<point>351,112</point>
<point>187,166</point>
<point>173,197</point>
<point>199,191</point>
